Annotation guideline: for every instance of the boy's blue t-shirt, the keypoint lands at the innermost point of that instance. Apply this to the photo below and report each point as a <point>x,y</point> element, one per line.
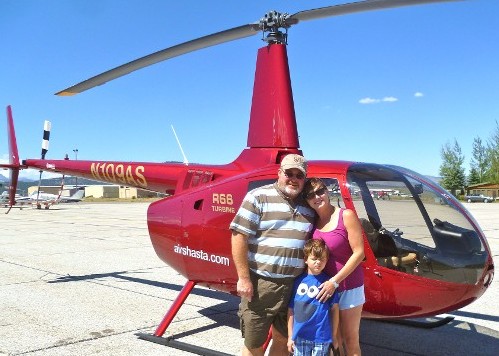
<point>311,317</point>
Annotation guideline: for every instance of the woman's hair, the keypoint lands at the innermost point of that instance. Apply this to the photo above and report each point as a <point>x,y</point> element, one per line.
<point>311,184</point>
<point>316,248</point>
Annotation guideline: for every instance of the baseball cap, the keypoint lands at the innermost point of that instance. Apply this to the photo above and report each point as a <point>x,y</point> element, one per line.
<point>294,161</point>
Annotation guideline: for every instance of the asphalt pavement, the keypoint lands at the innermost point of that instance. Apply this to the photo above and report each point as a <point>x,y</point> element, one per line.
<point>83,279</point>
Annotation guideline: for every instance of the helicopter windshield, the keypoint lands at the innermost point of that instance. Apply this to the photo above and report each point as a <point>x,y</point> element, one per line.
<point>414,226</point>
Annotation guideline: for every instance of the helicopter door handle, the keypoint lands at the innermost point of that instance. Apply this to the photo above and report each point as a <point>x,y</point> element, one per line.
<point>378,274</point>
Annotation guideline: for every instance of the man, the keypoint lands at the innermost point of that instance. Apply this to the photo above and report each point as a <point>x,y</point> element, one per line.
<point>268,235</point>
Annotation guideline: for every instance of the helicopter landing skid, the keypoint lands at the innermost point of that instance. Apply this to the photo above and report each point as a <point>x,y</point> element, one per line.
<point>179,345</point>
<point>170,341</point>
<point>421,324</point>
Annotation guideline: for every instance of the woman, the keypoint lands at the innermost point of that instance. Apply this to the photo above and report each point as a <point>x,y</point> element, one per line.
<point>342,232</point>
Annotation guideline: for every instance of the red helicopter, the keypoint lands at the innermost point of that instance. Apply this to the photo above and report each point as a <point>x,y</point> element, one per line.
<point>425,253</point>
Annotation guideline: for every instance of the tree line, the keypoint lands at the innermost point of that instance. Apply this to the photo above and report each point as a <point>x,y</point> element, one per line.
<point>484,163</point>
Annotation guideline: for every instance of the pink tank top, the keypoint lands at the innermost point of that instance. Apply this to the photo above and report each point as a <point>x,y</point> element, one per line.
<point>339,253</point>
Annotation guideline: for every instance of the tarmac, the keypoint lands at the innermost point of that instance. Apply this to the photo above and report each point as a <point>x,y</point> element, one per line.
<point>83,279</point>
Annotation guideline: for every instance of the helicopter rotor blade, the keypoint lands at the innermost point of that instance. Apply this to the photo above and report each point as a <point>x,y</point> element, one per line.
<point>283,20</point>
<point>354,7</point>
<point>167,53</point>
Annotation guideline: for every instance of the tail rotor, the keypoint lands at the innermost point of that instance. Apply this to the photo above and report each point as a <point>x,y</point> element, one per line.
<point>14,165</point>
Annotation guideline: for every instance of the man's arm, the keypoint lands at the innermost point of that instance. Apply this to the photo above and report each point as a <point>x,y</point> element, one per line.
<point>240,257</point>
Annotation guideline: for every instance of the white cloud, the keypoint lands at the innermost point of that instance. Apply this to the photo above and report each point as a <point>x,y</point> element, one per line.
<point>386,99</point>
<point>368,101</point>
<point>418,94</point>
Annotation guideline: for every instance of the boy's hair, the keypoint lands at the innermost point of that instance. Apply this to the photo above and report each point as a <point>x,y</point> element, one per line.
<point>316,248</point>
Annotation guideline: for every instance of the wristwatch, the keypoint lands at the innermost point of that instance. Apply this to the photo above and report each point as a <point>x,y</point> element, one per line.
<point>335,284</point>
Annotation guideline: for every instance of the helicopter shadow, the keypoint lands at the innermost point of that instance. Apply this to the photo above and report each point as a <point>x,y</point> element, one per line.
<point>454,338</point>
<point>476,315</point>
<point>217,313</point>
<point>125,276</point>
<point>376,337</point>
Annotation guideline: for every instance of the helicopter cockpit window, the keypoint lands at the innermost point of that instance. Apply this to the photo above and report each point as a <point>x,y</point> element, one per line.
<point>413,228</point>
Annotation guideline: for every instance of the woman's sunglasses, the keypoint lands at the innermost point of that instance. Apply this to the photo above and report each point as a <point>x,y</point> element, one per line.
<point>318,192</point>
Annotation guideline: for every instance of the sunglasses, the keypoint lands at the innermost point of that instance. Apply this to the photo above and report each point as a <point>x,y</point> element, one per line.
<point>290,175</point>
<point>318,192</point>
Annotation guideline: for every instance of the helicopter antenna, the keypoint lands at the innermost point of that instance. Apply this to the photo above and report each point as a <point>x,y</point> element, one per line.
<point>186,162</point>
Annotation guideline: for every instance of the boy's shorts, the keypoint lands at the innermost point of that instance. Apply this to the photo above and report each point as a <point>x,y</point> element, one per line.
<point>268,307</point>
<point>352,298</point>
<point>305,347</point>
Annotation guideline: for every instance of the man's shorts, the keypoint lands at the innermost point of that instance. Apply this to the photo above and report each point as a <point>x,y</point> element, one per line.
<point>352,298</point>
<point>268,306</point>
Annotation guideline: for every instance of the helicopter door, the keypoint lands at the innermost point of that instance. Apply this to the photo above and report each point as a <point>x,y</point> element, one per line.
<point>413,227</point>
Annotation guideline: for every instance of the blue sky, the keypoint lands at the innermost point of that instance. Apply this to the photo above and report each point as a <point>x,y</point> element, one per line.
<point>388,86</point>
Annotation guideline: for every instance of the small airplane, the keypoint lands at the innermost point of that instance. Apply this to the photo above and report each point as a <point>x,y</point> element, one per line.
<point>76,197</point>
<point>5,200</point>
<point>39,198</point>
<point>437,256</point>
<point>42,199</point>
<point>382,193</point>
<point>4,197</point>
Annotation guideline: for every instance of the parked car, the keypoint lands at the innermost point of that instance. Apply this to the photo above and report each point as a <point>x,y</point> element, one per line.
<point>473,198</point>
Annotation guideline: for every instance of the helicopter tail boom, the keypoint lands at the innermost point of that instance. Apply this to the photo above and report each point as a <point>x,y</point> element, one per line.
<point>149,176</point>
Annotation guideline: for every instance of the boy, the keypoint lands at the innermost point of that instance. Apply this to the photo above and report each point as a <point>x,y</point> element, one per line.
<point>312,324</point>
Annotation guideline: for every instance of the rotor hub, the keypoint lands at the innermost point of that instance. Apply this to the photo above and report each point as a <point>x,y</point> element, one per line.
<point>271,23</point>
